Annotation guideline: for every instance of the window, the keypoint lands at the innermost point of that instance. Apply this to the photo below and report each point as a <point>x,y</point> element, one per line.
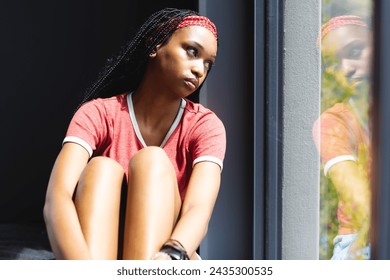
<point>342,132</point>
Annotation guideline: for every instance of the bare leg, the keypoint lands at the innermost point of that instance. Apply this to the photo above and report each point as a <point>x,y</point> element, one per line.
<point>97,203</point>
<point>153,203</point>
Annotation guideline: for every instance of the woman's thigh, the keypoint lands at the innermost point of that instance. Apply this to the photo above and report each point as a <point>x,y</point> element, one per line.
<point>153,203</point>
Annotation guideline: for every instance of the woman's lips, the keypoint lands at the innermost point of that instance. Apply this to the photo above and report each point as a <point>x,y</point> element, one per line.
<point>191,83</point>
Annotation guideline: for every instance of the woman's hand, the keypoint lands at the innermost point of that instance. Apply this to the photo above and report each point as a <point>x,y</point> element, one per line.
<point>161,256</point>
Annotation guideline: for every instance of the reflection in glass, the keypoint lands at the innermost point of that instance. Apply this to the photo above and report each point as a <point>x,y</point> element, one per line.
<point>342,133</point>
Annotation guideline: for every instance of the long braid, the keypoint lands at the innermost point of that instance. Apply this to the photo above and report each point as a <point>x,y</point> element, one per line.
<point>124,71</point>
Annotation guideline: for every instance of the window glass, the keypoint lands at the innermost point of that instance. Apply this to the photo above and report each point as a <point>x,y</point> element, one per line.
<point>342,131</point>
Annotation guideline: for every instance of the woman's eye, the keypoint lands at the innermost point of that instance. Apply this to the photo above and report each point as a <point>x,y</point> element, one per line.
<point>192,51</point>
<point>355,53</point>
<point>208,65</point>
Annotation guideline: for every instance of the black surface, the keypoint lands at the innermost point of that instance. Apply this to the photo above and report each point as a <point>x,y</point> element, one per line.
<point>24,242</point>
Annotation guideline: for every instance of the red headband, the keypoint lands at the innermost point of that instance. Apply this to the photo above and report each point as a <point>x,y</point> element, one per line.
<point>340,21</point>
<point>199,21</point>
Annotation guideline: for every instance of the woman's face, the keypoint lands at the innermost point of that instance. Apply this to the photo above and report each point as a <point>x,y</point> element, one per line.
<point>182,63</point>
<point>351,47</point>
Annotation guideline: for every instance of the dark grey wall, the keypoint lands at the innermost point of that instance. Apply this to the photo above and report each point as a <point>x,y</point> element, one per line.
<point>229,93</point>
<point>380,228</point>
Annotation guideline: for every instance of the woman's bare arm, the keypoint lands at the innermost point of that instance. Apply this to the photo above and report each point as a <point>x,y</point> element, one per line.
<point>198,205</point>
<point>65,235</point>
<point>353,188</point>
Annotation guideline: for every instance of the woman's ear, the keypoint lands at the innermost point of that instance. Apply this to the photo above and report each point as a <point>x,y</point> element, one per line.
<point>154,51</point>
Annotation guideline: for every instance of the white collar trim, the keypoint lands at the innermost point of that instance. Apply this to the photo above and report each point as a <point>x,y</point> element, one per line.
<point>171,129</point>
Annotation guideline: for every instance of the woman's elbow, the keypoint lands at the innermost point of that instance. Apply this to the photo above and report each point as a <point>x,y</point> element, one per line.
<point>46,210</point>
<point>48,207</point>
<point>206,228</point>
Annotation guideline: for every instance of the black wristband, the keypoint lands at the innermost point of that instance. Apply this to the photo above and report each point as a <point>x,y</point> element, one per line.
<point>175,252</point>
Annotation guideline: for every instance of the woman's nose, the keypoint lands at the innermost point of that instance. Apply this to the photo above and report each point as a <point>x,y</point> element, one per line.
<point>198,68</point>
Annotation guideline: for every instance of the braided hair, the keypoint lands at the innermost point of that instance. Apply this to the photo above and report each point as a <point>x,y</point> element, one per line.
<point>125,71</point>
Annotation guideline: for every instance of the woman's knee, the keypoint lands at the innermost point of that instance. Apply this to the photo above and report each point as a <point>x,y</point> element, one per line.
<point>151,171</point>
<point>102,169</point>
<point>153,159</point>
<point>104,164</point>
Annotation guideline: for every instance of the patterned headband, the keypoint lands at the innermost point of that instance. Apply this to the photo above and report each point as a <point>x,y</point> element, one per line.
<point>340,21</point>
<point>199,21</point>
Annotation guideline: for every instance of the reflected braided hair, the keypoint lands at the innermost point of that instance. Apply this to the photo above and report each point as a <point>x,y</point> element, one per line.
<point>124,71</point>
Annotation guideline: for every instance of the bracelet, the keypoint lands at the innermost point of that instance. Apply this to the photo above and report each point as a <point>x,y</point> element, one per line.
<point>175,241</point>
<point>175,252</point>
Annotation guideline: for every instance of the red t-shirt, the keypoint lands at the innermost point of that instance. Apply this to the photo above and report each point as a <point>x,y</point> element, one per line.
<point>108,127</point>
<point>340,136</point>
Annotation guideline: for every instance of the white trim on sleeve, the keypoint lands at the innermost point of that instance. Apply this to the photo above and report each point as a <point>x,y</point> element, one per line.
<point>335,160</point>
<point>79,141</point>
<point>209,158</point>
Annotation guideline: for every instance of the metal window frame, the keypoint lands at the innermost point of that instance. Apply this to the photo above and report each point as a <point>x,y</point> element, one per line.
<point>268,122</point>
<point>381,133</point>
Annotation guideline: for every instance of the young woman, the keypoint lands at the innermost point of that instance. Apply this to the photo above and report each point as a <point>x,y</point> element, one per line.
<point>342,133</point>
<point>145,132</point>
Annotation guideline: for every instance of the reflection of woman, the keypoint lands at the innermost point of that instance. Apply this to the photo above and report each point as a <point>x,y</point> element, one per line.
<point>342,136</point>
<point>168,149</point>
